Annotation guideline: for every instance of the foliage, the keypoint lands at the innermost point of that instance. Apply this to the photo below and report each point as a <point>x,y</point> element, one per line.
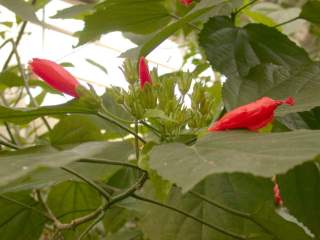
<point>139,163</point>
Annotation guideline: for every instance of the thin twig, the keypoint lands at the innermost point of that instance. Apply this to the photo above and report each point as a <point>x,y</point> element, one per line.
<point>244,7</point>
<point>9,145</point>
<point>105,194</point>
<point>286,22</point>
<point>136,128</point>
<point>190,24</point>
<point>91,226</point>
<point>130,191</point>
<point>103,161</point>
<point>120,126</point>
<point>217,228</point>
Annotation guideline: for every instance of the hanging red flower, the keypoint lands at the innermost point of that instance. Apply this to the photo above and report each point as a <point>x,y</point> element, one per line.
<point>186,2</point>
<point>252,116</point>
<point>277,196</point>
<point>144,73</point>
<point>55,75</point>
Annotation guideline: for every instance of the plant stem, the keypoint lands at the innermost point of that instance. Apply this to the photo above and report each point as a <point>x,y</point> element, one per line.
<point>230,210</point>
<point>9,145</point>
<point>102,161</point>
<point>244,7</point>
<point>288,21</point>
<point>217,228</point>
<point>190,24</point>
<point>218,205</point>
<point>105,194</point>
<point>130,191</point>
<point>136,140</point>
<point>120,126</point>
<point>91,226</point>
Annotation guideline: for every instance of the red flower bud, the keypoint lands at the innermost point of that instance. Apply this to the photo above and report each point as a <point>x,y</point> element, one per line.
<point>252,116</point>
<point>186,2</point>
<point>55,75</point>
<point>277,196</point>
<point>144,73</point>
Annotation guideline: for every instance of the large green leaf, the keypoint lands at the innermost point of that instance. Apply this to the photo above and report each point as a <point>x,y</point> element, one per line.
<point>70,200</point>
<point>154,40</point>
<point>20,163</point>
<point>248,57</point>
<point>300,190</point>
<point>310,11</point>
<point>46,176</point>
<point>235,151</point>
<point>21,8</point>
<point>21,115</point>
<point>75,11</point>
<point>302,83</point>
<point>19,222</point>
<point>245,193</point>
<point>233,51</point>
<point>137,16</point>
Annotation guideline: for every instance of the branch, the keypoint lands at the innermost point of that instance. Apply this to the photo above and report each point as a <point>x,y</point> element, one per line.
<point>286,22</point>
<point>244,7</point>
<point>75,222</point>
<point>217,228</point>
<point>120,126</point>
<point>105,194</point>
<point>9,145</point>
<point>108,162</point>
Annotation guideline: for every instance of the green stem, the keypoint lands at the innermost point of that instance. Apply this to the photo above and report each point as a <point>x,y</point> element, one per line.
<point>136,140</point>
<point>286,22</point>
<point>218,205</point>
<point>91,226</point>
<point>217,228</point>
<point>13,140</point>
<point>244,7</point>
<point>230,210</point>
<point>102,161</point>
<point>130,191</point>
<point>120,126</point>
<point>9,145</point>
<point>190,24</point>
<point>89,181</point>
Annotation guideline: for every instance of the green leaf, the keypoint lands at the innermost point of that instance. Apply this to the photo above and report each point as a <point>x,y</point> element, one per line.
<point>259,17</point>
<point>19,222</point>
<point>301,194</point>
<point>74,11</point>
<point>127,234</point>
<point>152,41</point>
<point>302,83</point>
<point>234,51</point>
<point>21,8</point>
<point>23,162</point>
<point>244,193</point>
<point>79,128</point>
<point>262,154</point>
<point>137,16</point>
<point>115,218</point>
<point>46,176</point>
<point>22,116</point>
<point>310,11</point>
<point>97,65</point>
<point>69,200</point>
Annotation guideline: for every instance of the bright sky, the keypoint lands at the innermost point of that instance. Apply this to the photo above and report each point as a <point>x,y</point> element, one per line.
<point>56,46</point>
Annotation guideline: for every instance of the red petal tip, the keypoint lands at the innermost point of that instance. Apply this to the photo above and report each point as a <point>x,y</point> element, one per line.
<point>290,101</point>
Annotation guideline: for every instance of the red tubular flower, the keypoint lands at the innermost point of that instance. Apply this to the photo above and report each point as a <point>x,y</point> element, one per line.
<point>277,196</point>
<point>55,75</point>
<point>186,2</point>
<point>144,73</point>
<point>252,116</point>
